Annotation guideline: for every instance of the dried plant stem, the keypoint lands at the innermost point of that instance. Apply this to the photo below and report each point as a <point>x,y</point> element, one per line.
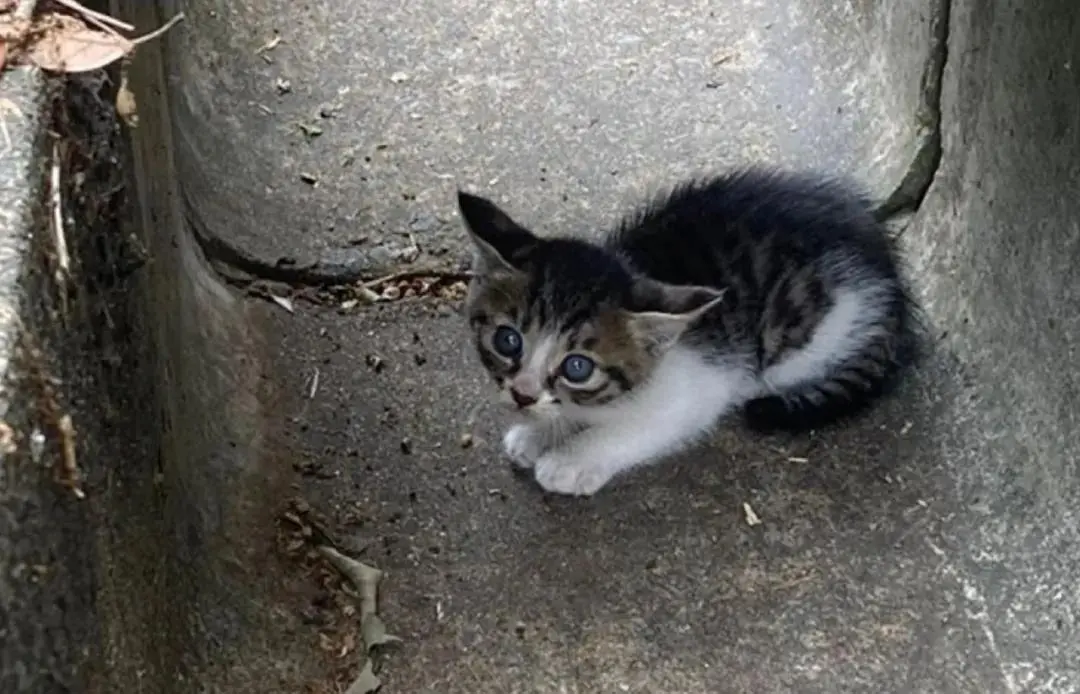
<point>438,275</point>
<point>160,30</point>
<point>365,578</point>
<point>25,9</point>
<point>95,17</point>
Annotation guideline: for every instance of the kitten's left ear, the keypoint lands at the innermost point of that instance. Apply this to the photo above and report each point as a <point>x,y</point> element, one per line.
<point>660,313</point>
<point>500,242</point>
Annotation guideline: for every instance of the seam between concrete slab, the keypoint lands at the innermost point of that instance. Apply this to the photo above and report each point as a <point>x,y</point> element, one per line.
<point>909,194</point>
<point>222,253</point>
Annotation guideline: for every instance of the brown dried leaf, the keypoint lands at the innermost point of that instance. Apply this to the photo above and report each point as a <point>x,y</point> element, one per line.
<point>68,45</point>
<point>126,106</point>
<point>374,633</point>
<point>366,682</point>
<point>348,644</point>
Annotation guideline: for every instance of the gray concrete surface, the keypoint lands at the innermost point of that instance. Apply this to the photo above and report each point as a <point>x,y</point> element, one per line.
<point>850,583</point>
<point>570,109</point>
<point>930,548</point>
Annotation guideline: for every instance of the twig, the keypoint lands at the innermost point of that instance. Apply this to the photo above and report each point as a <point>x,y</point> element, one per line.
<point>25,9</point>
<point>7,106</point>
<point>269,45</point>
<point>67,448</point>
<point>95,17</point>
<point>438,275</point>
<point>160,30</point>
<point>365,578</point>
<point>63,260</point>
<point>314,384</point>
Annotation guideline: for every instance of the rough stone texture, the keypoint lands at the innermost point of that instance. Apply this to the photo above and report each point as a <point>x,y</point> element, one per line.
<point>46,569</point>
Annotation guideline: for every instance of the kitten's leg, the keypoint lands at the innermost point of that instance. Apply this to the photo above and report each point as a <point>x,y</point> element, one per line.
<point>586,462</point>
<point>526,442</point>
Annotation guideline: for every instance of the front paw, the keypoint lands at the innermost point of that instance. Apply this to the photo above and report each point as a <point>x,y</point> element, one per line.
<point>524,444</point>
<point>564,475</point>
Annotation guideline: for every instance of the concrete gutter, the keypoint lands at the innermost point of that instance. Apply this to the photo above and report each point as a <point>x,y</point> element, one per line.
<point>935,547</point>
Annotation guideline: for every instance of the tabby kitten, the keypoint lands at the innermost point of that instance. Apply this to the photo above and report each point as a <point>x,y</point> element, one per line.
<point>773,294</point>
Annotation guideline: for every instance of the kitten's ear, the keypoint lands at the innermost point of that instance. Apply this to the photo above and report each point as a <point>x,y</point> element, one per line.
<point>500,242</point>
<point>660,313</point>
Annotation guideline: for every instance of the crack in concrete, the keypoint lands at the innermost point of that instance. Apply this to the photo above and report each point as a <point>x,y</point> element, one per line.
<point>230,261</point>
<point>913,187</point>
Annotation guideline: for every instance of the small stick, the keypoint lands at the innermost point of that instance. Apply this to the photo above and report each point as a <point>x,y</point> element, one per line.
<point>63,260</point>
<point>7,106</point>
<point>269,45</point>
<point>439,275</point>
<point>67,449</point>
<point>160,30</point>
<point>92,15</point>
<point>365,578</point>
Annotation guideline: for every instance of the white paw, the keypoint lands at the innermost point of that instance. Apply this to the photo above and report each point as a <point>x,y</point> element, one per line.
<point>563,475</point>
<point>524,444</point>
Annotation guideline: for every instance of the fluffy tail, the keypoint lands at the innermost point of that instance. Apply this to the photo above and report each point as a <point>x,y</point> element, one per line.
<point>851,387</point>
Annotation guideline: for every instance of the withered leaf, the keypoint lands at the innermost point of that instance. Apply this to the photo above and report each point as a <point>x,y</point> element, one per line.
<point>374,633</point>
<point>366,682</point>
<point>70,46</point>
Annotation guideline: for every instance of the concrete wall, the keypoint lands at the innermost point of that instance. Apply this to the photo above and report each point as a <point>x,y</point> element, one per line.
<point>996,245</point>
<point>46,547</point>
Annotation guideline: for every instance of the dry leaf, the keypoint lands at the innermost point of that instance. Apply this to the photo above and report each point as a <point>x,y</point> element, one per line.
<point>126,107</point>
<point>366,682</point>
<point>348,644</point>
<point>283,302</point>
<point>71,46</point>
<point>373,631</point>
<point>367,295</point>
<point>752,518</point>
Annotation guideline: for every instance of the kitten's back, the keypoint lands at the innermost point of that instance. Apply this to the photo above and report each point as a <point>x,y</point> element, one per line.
<point>815,305</point>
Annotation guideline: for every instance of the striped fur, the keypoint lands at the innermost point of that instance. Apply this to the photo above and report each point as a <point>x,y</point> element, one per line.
<point>777,295</point>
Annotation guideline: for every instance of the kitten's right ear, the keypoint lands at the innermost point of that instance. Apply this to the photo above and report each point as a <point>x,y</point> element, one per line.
<point>660,313</point>
<point>500,242</point>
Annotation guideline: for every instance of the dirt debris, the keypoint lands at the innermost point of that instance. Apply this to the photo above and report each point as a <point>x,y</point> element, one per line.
<point>348,600</point>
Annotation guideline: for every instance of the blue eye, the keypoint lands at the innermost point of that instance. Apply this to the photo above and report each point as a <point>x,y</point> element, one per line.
<point>577,369</point>
<point>507,341</point>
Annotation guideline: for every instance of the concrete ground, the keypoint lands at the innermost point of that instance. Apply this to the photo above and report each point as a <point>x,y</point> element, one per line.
<point>856,579</point>
<point>931,547</point>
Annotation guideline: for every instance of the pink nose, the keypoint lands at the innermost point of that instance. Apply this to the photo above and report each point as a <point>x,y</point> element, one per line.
<point>521,399</point>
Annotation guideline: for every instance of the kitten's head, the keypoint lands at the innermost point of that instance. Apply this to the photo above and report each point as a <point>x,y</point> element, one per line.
<point>562,323</point>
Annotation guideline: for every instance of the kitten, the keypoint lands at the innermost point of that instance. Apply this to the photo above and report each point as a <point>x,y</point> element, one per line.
<point>773,294</point>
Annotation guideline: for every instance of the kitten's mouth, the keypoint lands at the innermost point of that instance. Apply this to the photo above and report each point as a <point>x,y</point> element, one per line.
<point>543,410</point>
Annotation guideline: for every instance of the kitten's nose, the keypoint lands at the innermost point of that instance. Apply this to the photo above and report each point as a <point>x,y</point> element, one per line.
<point>521,399</point>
